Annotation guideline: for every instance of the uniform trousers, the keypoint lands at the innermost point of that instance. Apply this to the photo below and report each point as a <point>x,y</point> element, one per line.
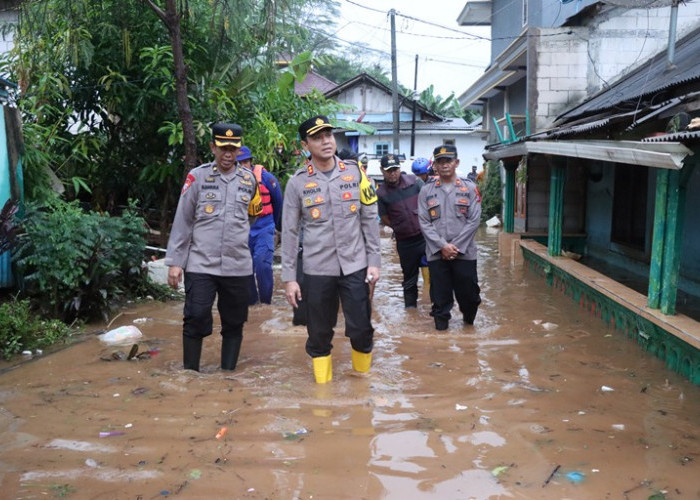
<point>322,295</point>
<point>262,248</point>
<point>232,303</point>
<point>411,251</point>
<point>450,279</point>
<point>299,315</point>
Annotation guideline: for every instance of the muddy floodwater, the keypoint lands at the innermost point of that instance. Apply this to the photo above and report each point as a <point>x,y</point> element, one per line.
<point>538,400</point>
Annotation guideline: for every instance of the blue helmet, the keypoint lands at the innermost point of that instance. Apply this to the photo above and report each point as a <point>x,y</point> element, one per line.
<point>420,166</point>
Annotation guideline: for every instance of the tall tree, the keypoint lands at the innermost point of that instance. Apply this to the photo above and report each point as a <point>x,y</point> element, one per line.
<point>171,19</point>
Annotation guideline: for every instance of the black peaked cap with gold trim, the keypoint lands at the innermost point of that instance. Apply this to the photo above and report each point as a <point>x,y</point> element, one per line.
<point>227,134</point>
<point>445,151</point>
<point>313,125</point>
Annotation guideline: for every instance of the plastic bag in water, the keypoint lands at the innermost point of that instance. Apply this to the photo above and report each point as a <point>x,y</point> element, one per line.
<point>122,335</point>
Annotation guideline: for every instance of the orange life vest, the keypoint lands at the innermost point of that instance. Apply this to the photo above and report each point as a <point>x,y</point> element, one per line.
<point>264,192</point>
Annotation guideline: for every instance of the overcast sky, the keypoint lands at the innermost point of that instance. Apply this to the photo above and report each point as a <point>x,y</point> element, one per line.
<point>448,57</point>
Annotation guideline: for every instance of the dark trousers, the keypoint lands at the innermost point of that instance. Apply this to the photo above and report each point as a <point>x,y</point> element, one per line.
<point>299,316</point>
<point>322,295</point>
<point>411,251</point>
<point>200,291</point>
<point>450,279</point>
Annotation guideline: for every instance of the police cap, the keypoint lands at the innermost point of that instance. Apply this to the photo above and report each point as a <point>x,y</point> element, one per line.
<point>313,125</point>
<point>445,151</point>
<point>227,134</point>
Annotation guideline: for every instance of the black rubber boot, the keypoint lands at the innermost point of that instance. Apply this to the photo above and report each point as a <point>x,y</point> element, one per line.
<point>441,323</point>
<point>230,347</point>
<point>191,352</point>
<point>410,292</point>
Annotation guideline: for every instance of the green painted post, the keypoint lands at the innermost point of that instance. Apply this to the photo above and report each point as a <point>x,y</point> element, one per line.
<point>510,165</point>
<point>556,206</point>
<point>672,243</point>
<point>657,245</point>
<point>509,208</point>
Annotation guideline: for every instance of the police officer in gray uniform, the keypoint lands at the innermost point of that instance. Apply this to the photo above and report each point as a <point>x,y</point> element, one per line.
<point>449,211</point>
<point>209,241</point>
<point>337,205</point>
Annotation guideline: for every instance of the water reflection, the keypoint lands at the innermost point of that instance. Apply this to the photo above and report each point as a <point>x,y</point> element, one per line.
<point>514,407</point>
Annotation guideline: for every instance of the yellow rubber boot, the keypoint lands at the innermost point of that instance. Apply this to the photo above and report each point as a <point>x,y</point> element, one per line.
<point>323,369</point>
<point>425,272</point>
<point>361,361</point>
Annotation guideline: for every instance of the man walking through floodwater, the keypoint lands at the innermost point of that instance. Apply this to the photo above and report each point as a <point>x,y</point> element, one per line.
<point>338,207</point>
<point>209,242</point>
<point>449,211</point>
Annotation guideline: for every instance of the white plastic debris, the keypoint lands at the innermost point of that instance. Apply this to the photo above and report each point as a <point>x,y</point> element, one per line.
<point>605,388</point>
<point>549,326</point>
<point>493,221</point>
<point>619,427</point>
<point>460,407</point>
<point>158,271</point>
<point>122,335</point>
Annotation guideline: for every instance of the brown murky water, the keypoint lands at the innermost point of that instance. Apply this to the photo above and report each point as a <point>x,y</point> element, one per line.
<point>537,400</point>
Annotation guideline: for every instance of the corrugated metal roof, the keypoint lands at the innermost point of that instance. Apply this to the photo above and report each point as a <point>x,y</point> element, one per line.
<point>675,137</point>
<point>648,79</point>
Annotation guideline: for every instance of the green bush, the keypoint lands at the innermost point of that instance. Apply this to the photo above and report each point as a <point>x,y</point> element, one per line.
<point>21,328</point>
<point>74,263</point>
<point>491,191</point>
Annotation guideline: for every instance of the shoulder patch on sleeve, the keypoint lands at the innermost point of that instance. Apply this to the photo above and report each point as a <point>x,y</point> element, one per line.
<point>188,182</point>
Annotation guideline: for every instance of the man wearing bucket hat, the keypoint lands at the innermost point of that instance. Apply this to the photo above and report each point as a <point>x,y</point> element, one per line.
<point>209,245</point>
<point>262,232</point>
<point>338,209</point>
<point>449,210</point>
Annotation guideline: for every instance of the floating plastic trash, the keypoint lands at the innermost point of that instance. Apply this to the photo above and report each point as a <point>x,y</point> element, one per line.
<point>575,477</point>
<point>497,471</point>
<point>493,221</point>
<point>110,433</point>
<point>460,407</point>
<point>605,388</point>
<point>122,335</point>
<point>221,433</point>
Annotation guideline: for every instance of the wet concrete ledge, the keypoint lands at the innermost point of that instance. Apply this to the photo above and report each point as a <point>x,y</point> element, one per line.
<point>673,338</point>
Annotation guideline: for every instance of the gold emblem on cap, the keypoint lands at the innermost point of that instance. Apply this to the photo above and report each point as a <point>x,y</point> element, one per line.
<point>229,133</point>
<point>443,151</point>
<point>319,121</point>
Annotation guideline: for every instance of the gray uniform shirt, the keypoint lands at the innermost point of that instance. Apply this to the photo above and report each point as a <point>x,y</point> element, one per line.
<point>211,226</point>
<point>449,216</point>
<point>341,235</point>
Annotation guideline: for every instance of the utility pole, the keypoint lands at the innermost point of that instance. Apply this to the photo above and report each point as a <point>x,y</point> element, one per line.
<point>413,114</point>
<point>394,82</point>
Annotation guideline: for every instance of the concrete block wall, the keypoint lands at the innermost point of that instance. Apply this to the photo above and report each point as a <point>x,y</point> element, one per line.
<point>573,63</point>
<point>560,74</point>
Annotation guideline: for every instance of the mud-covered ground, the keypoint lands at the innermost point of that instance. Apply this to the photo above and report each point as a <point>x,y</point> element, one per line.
<point>537,400</point>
